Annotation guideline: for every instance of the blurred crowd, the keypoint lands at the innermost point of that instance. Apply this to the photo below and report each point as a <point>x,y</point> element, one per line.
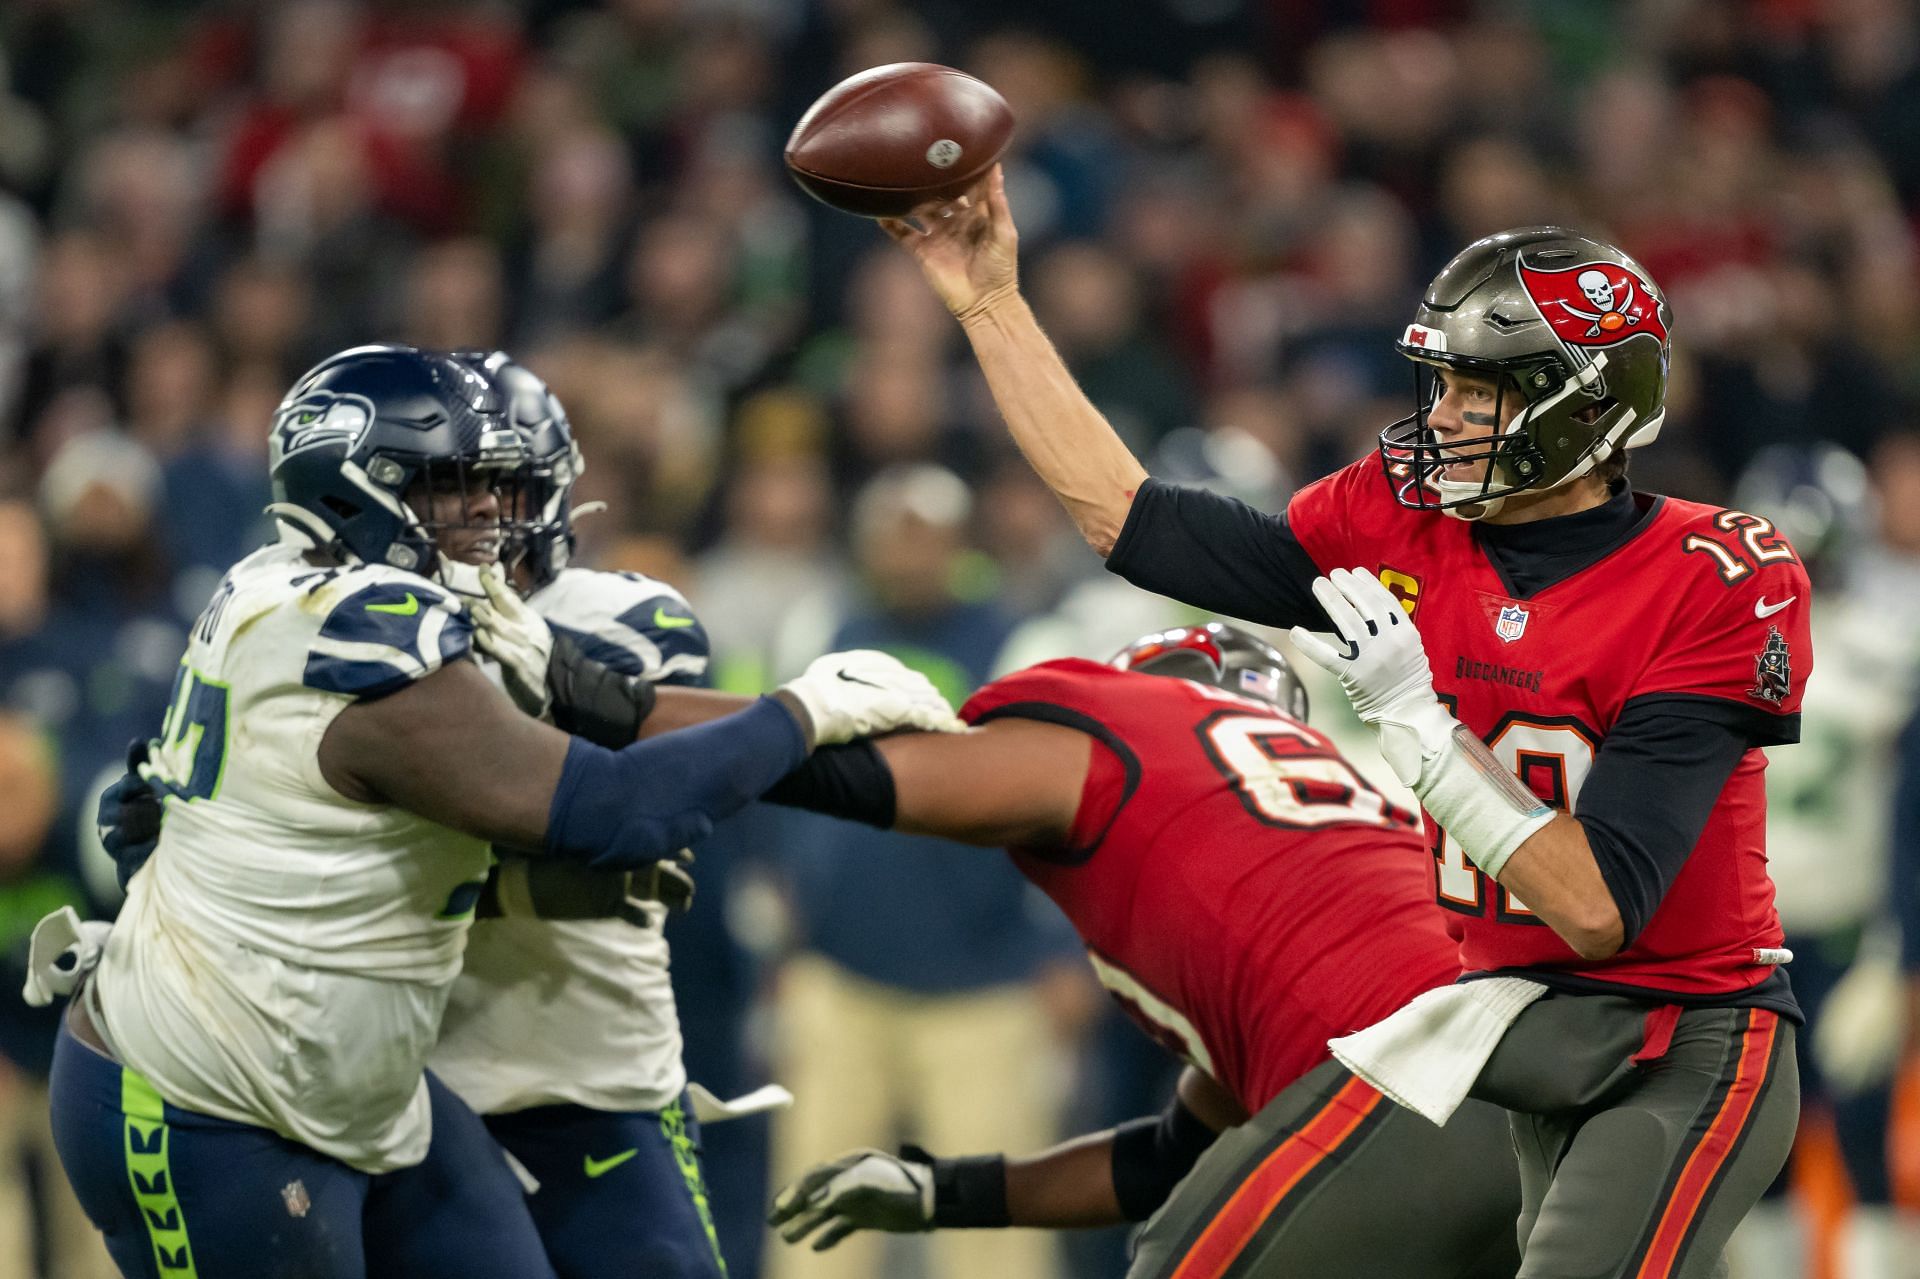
<point>1227,209</point>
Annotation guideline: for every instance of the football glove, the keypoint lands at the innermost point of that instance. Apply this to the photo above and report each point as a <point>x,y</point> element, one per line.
<point>1863,1023</point>
<point>1383,667</point>
<point>864,692</point>
<point>862,1190</point>
<point>129,815</point>
<point>508,630</point>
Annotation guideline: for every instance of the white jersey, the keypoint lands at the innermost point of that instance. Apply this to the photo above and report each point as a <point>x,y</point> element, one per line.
<point>1828,799</point>
<point>578,1012</point>
<point>283,958</point>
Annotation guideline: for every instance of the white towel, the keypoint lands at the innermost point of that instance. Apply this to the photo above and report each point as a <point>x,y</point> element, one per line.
<point>709,1109</point>
<point>54,937</point>
<point>1427,1055</point>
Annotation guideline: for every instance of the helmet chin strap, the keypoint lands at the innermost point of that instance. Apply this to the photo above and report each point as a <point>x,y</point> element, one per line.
<point>1588,378</point>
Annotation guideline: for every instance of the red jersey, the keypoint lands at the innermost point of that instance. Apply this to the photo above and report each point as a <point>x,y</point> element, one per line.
<point>1244,894</point>
<point>1704,609</point>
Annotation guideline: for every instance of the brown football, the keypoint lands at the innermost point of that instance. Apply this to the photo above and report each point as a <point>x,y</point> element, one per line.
<point>893,137</point>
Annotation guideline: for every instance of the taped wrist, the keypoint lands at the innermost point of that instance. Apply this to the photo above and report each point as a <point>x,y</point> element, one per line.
<point>1151,1155</point>
<point>1474,798</point>
<point>969,1193</point>
<point>519,888</point>
<point>851,781</point>
<point>592,700</point>
<point>623,809</point>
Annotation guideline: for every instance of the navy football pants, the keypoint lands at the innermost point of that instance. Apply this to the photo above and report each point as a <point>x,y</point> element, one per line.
<point>621,1193</point>
<point>181,1195</point>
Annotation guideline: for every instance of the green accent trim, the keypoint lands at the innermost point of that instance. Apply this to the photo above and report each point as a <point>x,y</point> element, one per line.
<point>407,609</point>
<point>146,1138</point>
<point>668,621</point>
<point>601,1167</point>
<point>673,1126</point>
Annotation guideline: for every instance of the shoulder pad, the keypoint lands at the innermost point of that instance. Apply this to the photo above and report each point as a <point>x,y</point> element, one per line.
<point>384,629</point>
<point>636,625</point>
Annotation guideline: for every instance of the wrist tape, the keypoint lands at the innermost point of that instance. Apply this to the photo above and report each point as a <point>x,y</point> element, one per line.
<point>1484,807</point>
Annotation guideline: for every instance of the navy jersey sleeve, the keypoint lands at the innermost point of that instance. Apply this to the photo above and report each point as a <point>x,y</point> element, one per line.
<point>1219,554</point>
<point>385,636</point>
<point>1659,773</point>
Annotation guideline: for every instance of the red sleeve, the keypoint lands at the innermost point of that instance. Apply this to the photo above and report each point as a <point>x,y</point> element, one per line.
<point>1745,643</point>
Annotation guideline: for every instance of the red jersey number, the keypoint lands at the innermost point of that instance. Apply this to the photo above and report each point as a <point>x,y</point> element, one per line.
<point>1287,777</point>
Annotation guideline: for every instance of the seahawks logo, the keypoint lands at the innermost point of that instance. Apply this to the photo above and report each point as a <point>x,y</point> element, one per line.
<point>317,419</point>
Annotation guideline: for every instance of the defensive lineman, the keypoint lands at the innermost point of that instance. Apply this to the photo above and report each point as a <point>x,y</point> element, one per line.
<point>243,1069</point>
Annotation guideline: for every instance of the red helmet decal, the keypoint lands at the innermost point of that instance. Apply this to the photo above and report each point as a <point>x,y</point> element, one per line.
<point>1194,638</point>
<point>1595,303</point>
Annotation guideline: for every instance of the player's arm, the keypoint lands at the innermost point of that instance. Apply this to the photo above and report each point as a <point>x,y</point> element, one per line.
<point>969,251</point>
<point>1101,1179</point>
<point>451,748</point>
<point>1201,548</point>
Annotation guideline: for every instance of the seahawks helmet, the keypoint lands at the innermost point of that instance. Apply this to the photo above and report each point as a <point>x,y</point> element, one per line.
<point>1572,327</point>
<point>361,428</point>
<point>542,528</point>
<point>1223,656</point>
<point>1818,495</point>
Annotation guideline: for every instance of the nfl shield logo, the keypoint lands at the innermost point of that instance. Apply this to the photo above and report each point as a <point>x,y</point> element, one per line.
<point>1512,624</point>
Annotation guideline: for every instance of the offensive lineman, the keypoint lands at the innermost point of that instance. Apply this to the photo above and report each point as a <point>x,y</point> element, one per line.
<point>1244,895</point>
<point>241,1077</point>
<point>1623,655</point>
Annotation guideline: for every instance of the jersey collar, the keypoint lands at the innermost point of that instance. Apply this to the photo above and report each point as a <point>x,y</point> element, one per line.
<point>1534,556</point>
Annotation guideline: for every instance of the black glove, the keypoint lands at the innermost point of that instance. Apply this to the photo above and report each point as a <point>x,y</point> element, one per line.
<point>592,700</point>
<point>541,888</point>
<point>129,816</point>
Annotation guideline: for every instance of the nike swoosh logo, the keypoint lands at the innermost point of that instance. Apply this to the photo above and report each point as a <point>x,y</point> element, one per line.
<point>407,609</point>
<point>855,679</point>
<point>601,1167</point>
<point>1763,609</point>
<point>668,622</point>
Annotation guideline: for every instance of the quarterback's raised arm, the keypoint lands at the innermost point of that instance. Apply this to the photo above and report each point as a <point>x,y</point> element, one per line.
<point>968,250</point>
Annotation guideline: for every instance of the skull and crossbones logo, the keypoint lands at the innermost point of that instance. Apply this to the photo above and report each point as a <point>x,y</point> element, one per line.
<point>1612,303</point>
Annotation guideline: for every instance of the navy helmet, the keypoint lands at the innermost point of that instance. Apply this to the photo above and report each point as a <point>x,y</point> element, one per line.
<point>1223,656</point>
<point>359,429</point>
<point>1818,495</point>
<point>543,526</point>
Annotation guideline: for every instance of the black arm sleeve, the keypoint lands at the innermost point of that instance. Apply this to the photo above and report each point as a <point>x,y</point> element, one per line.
<point>1653,786</point>
<point>851,781</point>
<point>1151,1155</point>
<point>1219,554</point>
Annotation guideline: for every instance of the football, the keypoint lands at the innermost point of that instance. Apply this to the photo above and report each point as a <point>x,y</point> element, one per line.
<point>891,138</point>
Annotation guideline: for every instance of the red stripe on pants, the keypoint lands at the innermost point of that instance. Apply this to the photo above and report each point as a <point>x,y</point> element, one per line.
<point>1219,1245</point>
<point>1704,1164</point>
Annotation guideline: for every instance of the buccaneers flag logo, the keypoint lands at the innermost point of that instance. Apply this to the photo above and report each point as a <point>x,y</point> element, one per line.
<point>1596,303</point>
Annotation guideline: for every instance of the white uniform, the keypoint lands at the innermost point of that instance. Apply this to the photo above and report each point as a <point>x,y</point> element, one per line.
<point>1828,799</point>
<point>580,1012</point>
<point>283,958</point>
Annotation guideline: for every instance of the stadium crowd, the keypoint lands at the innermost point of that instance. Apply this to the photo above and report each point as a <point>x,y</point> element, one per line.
<point>1228,210</point>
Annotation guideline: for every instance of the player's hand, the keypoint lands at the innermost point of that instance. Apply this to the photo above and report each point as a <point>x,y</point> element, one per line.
<point>969,249</point>
<point>862,1190</point>
<point>863,692</point>
<point>1381,664</point>
<point>508,630</point>
<point>1862,1027</point>
<point>128,818</point>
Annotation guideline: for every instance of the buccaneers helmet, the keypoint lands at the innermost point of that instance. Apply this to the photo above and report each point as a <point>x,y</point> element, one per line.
<point>1223,656</point>
<point>1572,327</point>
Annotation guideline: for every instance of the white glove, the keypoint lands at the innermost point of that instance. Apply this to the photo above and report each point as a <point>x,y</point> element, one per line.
<point>863,1190</point>
<point>1382,666</point>
<point>863,692</point>
<point>1858,1035</point>
<point>508,630</point>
